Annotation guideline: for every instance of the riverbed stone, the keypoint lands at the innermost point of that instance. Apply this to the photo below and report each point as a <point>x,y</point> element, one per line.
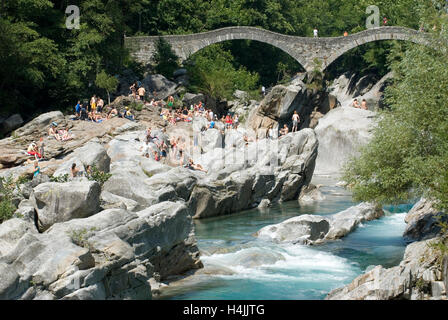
<point>58,202</point>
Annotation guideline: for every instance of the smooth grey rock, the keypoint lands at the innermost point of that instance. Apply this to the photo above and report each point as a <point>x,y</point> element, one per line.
<point>310,194</point>
<point>341,132</point>
<point>192,99</point>
<point>11,123</point>
<point>41,123</point>
<point>346,221</point>
<point>423,221</point>
<point>93,154</point>
<point>161,85</point>
<point>401,282</point>
<point>58,202</point>
<point>302,229</point>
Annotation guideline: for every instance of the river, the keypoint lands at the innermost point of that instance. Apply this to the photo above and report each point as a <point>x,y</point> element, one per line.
<point>239,266</point>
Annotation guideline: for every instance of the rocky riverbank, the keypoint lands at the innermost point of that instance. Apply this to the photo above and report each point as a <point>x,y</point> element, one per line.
<point>116,239</point>
<point>421,275</point>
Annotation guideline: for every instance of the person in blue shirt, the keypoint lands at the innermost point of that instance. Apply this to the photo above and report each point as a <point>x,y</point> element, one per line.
<point>36,169</point>
<point>78,109</point>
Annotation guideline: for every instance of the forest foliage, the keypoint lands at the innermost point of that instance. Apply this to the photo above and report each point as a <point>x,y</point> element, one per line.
<point>44,65</point>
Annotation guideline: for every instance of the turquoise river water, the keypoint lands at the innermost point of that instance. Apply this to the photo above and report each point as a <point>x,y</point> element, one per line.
<point>239,266</point>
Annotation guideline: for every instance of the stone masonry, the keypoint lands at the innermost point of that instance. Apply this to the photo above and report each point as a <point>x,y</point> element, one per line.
<point>311,53</point>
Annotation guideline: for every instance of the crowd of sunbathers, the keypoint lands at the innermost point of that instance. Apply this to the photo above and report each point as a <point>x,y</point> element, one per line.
<point>173,116</point>
<point>173,151</point>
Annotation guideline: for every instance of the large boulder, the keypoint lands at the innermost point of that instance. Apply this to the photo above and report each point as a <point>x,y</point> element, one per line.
<point>302,229</point>
<point>40,124</point>
<point>11,123</point>
<point>341,132</point>
<point>160,85</point>
<point>192,99</point>
<point>416,278</point>
<point>423,221</point>
<point>241,176</point>
<point>346,221</point>
<point>93,154</point>
<point>110,255</point>
<point>58,202</point>
<point>351,85</point>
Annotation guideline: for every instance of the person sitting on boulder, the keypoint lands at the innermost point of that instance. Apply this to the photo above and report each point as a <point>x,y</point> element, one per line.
<point>284,131</point>
<point>88,172</point>
<point>74,170</point>
<point>355,104</point>
<point>156,156</point>
<point>364,104</point>
<point>84,115</point>
<point>34,151</point>
<point>114,112</point>
<point>128,115</point>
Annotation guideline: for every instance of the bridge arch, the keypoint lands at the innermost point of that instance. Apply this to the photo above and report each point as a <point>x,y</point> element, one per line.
<point>186,45</point>
<point>304,50</point>
<point>391,33</point>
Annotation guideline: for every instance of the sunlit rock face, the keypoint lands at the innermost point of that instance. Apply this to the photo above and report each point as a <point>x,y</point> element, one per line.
<point>341,133</point>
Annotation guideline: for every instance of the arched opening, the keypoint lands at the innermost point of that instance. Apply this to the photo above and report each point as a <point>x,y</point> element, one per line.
<point>269,64</point>
<point>362,69</point>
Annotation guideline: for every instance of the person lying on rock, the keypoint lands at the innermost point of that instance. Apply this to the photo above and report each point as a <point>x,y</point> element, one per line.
<point>191,165</point>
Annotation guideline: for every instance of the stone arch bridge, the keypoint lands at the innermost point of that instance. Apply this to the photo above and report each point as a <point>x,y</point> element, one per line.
<point>311,53</point>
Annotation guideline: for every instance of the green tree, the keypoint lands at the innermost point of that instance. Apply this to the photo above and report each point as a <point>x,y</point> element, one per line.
<point>408,155</point>
<point>212,72</point>
<point>106,82</point>
<point>165,60</point>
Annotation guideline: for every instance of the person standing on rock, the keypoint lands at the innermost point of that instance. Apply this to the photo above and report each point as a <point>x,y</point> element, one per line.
<point>93,103</point>
<point>316,33</point>
<point>295,121</point>
<point>100,105</point>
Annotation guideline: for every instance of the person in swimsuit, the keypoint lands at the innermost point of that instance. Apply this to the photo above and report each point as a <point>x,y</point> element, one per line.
<point>36,169</point>
<point>195,166</point>
<point>295,121</point>
<point>74,171</point>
